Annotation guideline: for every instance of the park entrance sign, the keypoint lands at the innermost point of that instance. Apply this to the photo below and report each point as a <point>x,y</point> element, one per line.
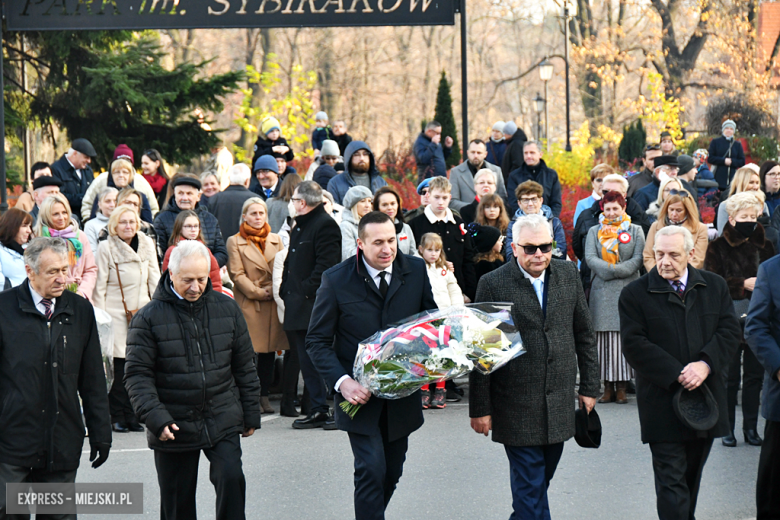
<point>42,15</point>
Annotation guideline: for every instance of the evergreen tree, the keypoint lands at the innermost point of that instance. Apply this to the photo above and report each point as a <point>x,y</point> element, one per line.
<point>445,116</point>
<point>632,146</point>
<point>111,87</point>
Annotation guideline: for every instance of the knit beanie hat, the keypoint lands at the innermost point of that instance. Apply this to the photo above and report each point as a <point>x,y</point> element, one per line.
<point>728,123</point>
<point>269,124</point>
<point>685,163</point>
<point>499,126</point>
<point>330,148</point>
<point>484,237</point>
<point>124,152</point>
<point>510,128</point>
<point>321,116</point>
<point>355,194</point>
<point>266,162</point>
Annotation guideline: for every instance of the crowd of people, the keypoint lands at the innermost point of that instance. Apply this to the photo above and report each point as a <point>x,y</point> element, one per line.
<point>653,302</point>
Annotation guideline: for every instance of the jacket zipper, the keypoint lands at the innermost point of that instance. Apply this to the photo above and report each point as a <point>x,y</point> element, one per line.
<point>202,375</point>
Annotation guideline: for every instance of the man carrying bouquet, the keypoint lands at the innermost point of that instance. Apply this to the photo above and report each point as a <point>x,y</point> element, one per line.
<point>528,403</point>
<point>357,298</point>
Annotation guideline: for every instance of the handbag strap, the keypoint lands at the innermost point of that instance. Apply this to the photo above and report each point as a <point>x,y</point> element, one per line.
<point>119,278</point>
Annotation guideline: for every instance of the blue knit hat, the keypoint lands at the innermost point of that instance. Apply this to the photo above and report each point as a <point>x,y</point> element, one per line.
<point>266,162</point>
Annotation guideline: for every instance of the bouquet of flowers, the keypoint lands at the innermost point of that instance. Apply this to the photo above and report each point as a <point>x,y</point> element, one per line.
<point>435,345</point>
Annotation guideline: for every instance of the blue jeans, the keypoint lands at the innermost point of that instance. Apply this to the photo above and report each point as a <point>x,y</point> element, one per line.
<point>531,470</point>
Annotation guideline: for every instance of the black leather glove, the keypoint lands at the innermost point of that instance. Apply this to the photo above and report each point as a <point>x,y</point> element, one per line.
<point>99,451</point>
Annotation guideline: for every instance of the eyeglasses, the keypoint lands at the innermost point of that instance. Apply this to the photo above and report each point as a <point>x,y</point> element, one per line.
<point>680,193</point>
<point>531,200</point>
<point>295,199</point>
<point>774,175</point>
<point>191,226</point>
<point>531,250</point>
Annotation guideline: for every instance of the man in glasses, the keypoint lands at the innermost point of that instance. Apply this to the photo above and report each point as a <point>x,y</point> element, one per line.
<point>528,404</point>
<point>665,166</point>
<point>645,177</point>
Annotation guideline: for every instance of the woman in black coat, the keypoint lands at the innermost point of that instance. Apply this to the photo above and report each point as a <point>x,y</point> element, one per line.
<point>736,256</point>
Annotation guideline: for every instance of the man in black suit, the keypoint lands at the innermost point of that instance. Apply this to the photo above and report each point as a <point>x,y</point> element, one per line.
<point>226,205</point>
<point>75,173</point>
<point>357,298</point>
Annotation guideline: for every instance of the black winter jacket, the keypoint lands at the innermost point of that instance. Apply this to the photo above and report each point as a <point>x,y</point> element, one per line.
<point>545,176</point>
<point>163,226</point>
<point>264,146</point>
<point>72,187</point>
<point>349,308</point>
<point>191,364</point>
<point>513,156</point>
<point>315,247</point>
<point>662,333</point>
<point>458,247</point>
<point>720,149</point>
<point>43,372</point>
<point>589,218</point>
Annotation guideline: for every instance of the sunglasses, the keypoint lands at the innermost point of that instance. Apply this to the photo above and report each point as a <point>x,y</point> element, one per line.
<point>680,193</point>
<point>651,147</point>
<point>531,250</point>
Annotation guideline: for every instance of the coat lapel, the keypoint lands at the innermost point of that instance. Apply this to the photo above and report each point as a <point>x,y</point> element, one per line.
<point>253,252</point>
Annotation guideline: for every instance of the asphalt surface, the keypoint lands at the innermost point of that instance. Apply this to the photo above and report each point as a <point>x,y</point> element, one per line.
<point>451,473</point>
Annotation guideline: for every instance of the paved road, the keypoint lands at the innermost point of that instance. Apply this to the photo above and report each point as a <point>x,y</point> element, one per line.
<point>451,473</point>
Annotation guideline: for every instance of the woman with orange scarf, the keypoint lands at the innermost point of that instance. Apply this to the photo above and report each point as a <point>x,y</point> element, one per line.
<point>250,264</point>
<point>613,252</point>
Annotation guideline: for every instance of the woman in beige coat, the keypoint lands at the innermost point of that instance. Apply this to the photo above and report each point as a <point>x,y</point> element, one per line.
<point>251,255</point>
<point>678,209</point>
<point>128,273</point>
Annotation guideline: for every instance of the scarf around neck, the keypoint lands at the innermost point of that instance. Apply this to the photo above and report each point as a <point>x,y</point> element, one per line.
<point>609,229</point>
<point>255,236</point>
<point>70,235</point>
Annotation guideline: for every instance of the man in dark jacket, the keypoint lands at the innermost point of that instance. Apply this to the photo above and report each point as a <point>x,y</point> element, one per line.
<point>528,403</point>
<point>430,154</point>
<point>315,247</point>
<point>75,173</point>
<point>358,297</point>
<point>665,166</point>
<point>267,179</point>
<point>645,177</point>
<point>535,169</point>
<point>359,170</point>
<point>438,218</point>
<point>679,330</point>
<point>726,155</point>
<point>513,155</point>
<point>341,136</point>
<point>49,357</point>
<point>590,217</point>
<point>186,194</point>
<point>762,332</point>
<point>191,377</point>
<point>226,205</point>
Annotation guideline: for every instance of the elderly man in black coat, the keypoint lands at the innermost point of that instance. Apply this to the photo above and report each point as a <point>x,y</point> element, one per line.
<point>73,170</point>
<point>49,356</point>
<point>191,377</point>
<point>529,404</point>
<point>315,247</point>
<point>226,205</point>
<point>357,298</point>
<point>679,330</point>
<point>186,194</point>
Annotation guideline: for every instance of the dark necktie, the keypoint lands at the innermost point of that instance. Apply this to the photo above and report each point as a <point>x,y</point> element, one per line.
<point>48,304</point>
<point>678,286</point>
<point>383,283</point>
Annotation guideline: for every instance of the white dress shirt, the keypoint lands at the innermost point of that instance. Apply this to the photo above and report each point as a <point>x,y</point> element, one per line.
<point>78,172</point>
<point>37,301</point>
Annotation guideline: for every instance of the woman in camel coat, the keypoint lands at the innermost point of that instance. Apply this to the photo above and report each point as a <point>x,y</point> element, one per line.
<point>678,209</point>
<point>134,255</point>
<point>251,255</point>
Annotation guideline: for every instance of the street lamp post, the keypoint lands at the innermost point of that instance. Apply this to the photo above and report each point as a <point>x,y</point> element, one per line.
<point>540,102</point>
<point>566,58</point>
<point>545,74</point>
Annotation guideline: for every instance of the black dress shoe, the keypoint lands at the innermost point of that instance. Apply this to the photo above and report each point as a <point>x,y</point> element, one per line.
<point>752,438</point>
<point>120,427</point>
<point>314,420</point>
<point>729,440</point>
<point>330,424</point>
<point>135,427</point>
<point>287,408</point>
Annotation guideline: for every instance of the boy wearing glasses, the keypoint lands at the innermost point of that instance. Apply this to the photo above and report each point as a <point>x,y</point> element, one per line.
<point>527,404</point>
<point>438,218</point>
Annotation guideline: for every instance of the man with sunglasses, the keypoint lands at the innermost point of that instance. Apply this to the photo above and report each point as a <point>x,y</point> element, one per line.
<point>527,404</point>
<point>645,177</point>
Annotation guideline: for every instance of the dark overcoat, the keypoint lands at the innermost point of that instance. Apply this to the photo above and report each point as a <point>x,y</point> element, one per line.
<point>73,187</point>
<point>349,309</point>
<point>163,226</point>
<point>662,333</point>
<point>43,372</point>
<point>531,399</point>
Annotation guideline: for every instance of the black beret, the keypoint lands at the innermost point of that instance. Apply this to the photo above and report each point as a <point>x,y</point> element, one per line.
<point>186,181</point>
<point>83,146</point>
<point>45,180</point>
